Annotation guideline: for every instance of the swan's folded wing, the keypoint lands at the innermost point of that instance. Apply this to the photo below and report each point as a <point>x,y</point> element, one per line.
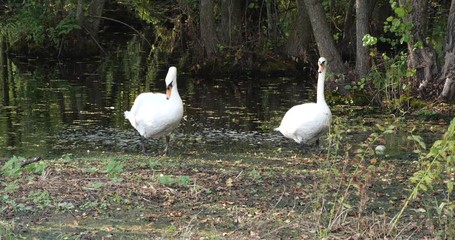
<point>304,123</point>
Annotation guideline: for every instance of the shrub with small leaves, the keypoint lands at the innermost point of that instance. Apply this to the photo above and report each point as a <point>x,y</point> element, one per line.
<point>438,165</point>
<point>436,170</point>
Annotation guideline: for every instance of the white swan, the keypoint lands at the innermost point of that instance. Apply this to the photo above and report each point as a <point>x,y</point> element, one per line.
<point>157,114</point>
<point>305,123</point>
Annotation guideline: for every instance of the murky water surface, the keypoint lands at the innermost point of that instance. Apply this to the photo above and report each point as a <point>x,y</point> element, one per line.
<point>50,108</point>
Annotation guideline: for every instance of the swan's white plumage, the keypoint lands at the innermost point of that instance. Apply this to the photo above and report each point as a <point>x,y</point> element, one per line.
<point>157,114</point>
<point>305,123</point>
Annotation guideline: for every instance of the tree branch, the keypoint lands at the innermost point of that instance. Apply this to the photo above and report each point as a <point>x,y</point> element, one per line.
<point>30,161</point>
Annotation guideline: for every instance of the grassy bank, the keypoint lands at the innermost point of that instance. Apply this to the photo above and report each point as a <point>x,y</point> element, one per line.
<point>241,186</point>
<point>248,193</point>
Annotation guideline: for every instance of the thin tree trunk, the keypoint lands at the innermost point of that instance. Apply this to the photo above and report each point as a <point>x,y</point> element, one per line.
<point>348,40</point>
<point>272,23</point>
<point>231,21</point>
<point>80,18</point>
<point>423,59</point>
<point>362,61</point>
<point>207,27</point>
<point>95,11</point>
<point>448,71</point>
<point>323,36</point>
<point>301,34</point>
<point>3,58</point>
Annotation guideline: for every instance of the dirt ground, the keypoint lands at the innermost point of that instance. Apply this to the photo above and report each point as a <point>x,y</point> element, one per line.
<point>198,194</point>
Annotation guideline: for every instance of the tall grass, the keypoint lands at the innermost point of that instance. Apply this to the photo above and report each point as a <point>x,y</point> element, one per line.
<point>346,197</point>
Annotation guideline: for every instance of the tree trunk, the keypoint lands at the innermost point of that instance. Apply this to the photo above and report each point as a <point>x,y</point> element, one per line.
<point>301,34</point>
<point>348,40</point>
<point>362,61</point>
<point>92,22</point>
<point>448,71</point>
<point>323,36</point>
<point>3,59</point>
<point>423,59</point>
<point>231,21</point>
<point>207,27</point>
<point>80,18</point>
<point>95,10</point>
<point>272,22</point>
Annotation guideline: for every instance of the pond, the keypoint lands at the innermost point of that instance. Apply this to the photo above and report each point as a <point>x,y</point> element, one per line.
<point>51,108</point>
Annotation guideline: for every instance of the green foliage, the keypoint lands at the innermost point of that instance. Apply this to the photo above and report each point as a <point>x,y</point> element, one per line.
<point>385,83</point>
<point>11,186</point>
<point>8,202</point>
<point>386,80</point>
<point>66,206</point>
<point>359,85</point>
<point>436,170</point>
<point>397,24</point>
<point>255,175</point>
<point>95,204</point>
<point>169,180</point>
<point>36,168</point>
<point>41,198</point>
<point>36,25</point>
<point>387,76</point>
<point>64,27</point>
<point>114,168</point>
<point>96,185</point>
<point>12,166</point>
<point>369,40</point>
<point>6,232</point>
<point>438,165</point>
<point>154,164</point>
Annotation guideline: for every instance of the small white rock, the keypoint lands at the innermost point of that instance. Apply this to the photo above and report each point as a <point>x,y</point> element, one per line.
<point>379,150</point>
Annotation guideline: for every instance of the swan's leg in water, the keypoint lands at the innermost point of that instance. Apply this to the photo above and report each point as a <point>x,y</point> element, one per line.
<point>144,151</point>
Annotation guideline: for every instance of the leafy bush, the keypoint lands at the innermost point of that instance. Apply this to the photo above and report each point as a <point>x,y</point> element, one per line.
<point>438,164</point>
<point>36,25</point>
<point>436,170</point>
<point>13,167</point>
<point>386,82</point>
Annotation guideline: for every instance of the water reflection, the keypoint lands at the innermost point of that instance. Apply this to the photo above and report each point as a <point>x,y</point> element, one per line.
<point>48,107</point>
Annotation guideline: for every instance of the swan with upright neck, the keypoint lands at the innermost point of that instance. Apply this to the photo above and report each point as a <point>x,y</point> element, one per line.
<point>305,123</point>
<point>156,114</point>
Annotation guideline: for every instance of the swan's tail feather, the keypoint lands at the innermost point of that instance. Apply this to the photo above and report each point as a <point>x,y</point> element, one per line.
<point>127,114</point>
<point>130,117</point>
<point>276,129</point>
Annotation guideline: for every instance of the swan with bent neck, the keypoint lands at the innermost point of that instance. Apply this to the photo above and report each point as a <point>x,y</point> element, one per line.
<point>157,114</point>
<point>305,123</point>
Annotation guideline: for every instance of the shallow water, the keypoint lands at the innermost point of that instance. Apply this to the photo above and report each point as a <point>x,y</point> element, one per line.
<point>51,108</point>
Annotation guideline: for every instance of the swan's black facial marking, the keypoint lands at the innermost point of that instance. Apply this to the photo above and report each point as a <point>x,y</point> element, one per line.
<point>168,91</point>
<point>321,67</point>
<point>321,62</point>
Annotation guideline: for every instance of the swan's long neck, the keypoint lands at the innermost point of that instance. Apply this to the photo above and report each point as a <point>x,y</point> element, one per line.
<point>175,93</point>
<point>320,90</point>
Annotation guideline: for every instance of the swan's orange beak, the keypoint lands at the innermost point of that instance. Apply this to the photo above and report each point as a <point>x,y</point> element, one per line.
<point>321,67</point>
<point>168,92</point>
